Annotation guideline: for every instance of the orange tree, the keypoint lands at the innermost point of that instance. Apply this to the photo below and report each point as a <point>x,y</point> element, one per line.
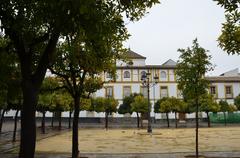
<point>34,28</point>
<point>192,65</point>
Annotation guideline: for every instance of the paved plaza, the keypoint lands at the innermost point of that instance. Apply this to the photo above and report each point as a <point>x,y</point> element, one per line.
<point>132,143</point>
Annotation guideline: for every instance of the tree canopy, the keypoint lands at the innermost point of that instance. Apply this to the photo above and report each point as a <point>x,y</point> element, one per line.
<point>192,66</point>
<point>229,40</point>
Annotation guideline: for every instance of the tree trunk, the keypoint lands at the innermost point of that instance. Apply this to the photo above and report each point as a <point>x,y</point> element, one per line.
<point>176,123</point>
<point>43,122</point>
<point>52,121</point>
<point>167,120</point>
<point>225,120</point>
<point>137,120</point>
<point>28,120</point>
<point>60,121</point>
<point>197,125</point>
<point>75,151</point>
<point>208,119</point>
<point>2,119</point>
<point>69,119</point>
<point>15,126</point>
<point>106,120</point>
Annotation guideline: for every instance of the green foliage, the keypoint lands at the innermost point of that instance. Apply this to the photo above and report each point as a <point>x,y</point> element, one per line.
<point>166,106</point>
<point>45,102</point>
<point>3,99</point>
<point>232,108</point>
<point>140,104</point>
<point>157,105</point>
<point>172,104</point>
<point>224,106</point>
<point>10,90</point>
<point>111,105</point>
<point>229,40</point>
<point>178,105</point>
<point>85,104</point>
<point>49,93</point>
<point>229,5</point>
<point>191,68</point>
<point>208,104</point>
<point>61,101</point>
<point>105,104</point>
<point>126,106</point>
<point>14,95</point>
<point>49,85</point>
<point>92,84</point>
<point>98,104</point>
<point>237,101</point>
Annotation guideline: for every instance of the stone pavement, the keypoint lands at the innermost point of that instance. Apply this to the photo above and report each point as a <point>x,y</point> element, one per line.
<point>221,142</point>
<point>135,155</point>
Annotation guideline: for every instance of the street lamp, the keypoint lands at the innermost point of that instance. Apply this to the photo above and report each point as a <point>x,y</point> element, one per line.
<point>146,83</point>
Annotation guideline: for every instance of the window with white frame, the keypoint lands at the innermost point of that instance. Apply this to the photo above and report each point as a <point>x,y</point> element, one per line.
<point>126,91</point>
<point>163,75</point>
<point>213,91</point>
<point>163,91</point>
<point>126,74</point>
<point>228,92</point>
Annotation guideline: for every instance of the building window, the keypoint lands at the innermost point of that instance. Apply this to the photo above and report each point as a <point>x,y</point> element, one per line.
<point>143,73</point>
<point>144,92</point>
<point>228,92</point>
<point>163,91</point>
<point>126,74</point>
<point>163,75</point>
<point>109,92</point>
<point>126,91</point>
<point>213,90</point>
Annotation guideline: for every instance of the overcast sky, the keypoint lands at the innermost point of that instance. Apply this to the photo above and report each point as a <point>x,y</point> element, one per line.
<point>174,24</point>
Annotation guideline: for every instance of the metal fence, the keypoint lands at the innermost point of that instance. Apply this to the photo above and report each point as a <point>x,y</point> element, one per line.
<point>230,117</point>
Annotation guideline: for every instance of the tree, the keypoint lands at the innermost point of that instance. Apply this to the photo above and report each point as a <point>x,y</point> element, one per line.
<point>110,106</point>
<point>14,100</point>
<point>125,107</point>
<point>139,105</point>
<point>44,103</point>
<point>208,104</point>
<point>34,34</point>
<point>9,83</point>
<point>193,64</point>
<point>177,105</point>
<point>229,40</point>
<point>107,105</point>
<point>45,98</point>
<point>237,101</point>
<point>232,108</point>
<point>3,106</point>
<point>60,101</point>
<point>166,107</point>
<point>224,108</point>
<point>158,104</point>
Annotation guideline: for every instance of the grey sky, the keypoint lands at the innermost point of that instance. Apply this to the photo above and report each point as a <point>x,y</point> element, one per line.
<point>174,24</point>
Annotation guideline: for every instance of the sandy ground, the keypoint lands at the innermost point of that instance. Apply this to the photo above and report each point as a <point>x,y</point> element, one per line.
<point>137,141</point>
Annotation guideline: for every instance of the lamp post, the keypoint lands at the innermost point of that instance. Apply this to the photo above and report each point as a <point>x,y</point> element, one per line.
<point>146,83</point>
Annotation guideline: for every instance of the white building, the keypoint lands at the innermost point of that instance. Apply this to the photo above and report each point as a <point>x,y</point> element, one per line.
<point>128,80</point>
